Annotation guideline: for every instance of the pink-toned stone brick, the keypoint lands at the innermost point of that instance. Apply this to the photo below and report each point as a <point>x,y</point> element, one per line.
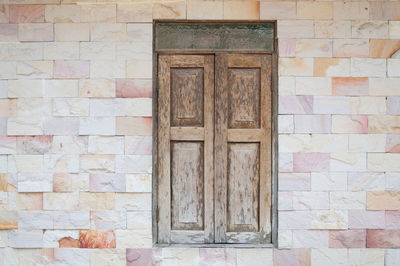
<point>217,256</point>
<point>351,48</point>
<point>134,126</point>
<point>393,105</point>
<point>134,88</point>
<point>9,32</point>
<point>295,29</point>
<point>71,69</point>
<point>139,145</point>
<point>34,144</point>
<point>294,181</point>
<point>329,67</point>
<point>96,239</point>
<point>347,239</point>
<point>289,104</point>
<point>107,182</point>
<point>314,10</point>
<point>36,32</point>
<point>312,123</point>
<point>349,124</point>
<point>383,238</point>
<point>361,219</point>
<point>313,48</point>
<point>392,219</point>
<point>295,219</point>
<point>367,181</point>
<point>139,257</point>
<point>292,257</point>
<point>296,67</point>
<point>349,86</point>
<point>26,13</point>
<point>311,162</point>
<point>61,126</point>
<point>287,47</point>
<point>393,143</point>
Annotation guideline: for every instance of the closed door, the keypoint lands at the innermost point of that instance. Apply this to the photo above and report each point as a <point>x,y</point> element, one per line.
<point>214,148</point>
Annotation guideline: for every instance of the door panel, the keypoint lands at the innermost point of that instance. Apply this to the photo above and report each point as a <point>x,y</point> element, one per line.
<point>185,148</point>
<point>243,149</point>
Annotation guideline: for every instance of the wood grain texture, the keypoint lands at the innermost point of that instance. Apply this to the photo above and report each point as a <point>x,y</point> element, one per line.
<point>187,133</point>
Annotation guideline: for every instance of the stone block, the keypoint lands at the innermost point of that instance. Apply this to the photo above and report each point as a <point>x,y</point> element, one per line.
<point>62,13</point>
<point>107,182</point>
<point>31,220</point>
<point>366,181</point>
<point>96,88</point>
<point>108,220</point>
<point>8,220</point>
<point>392,219</point>
<point>96,239</point>
<point>69,144</point>
<point>108,32</point>
<point>61,88</point>
<point>61,51</point>
<point>177,10</point>
<point>133,164</point>
<point>35,69</point>
<point>108,69</point>
<point>394,29</point>
<point>289,104</point>
<point>296,67</point>
<point>254,256</point>
<point>383,124</point>
<point>295,219</point>
<point>369,29</point>
<point>294,182</point>
<point>383,48</point>
<point>285,124</point>
<point>393,67</point>
<point>304,200</point>
<point>97,163</point>
<point>135,13</point>
<point>384,10</point>
<point>347,200</point>
<point>138,183</point>
<point>206,10</point>
<point>61,201</point>
<point>9,33</point>
<point>285,162</point>
<point>97,126</point>
<point>25,238</point>
<point>277,10</point>
<point>328,181</point>
<point>350,10</point>
<point>329,219</point>
<point>349,124</point>
<point>310,162</point>
<point>99,13</point>
<point>61,126</point>
<point>343,162</point>
<point>313,86</point>
<point>362,219</point>
<point>312,123</point>
<point>368,67</point>
<point>70,107</point>
<point>139,68</point>
<point>96,201</point>
<point>25,88</point>
<point>349,86</point>
<point>133,88</point>
<point>26,13</point>
<point>331,67</point>
<point>106,145</point>
<point>295,257</point>
<point>383,238</point>
<point>132,126</point>
<point>295,29</point>
<point>38,182</point>
<point>383,200</point>
<point>367,143</point>
<point>67,220</point>
<point>332,29</point>
<point>350,48</point>
<point>393,143</point>
<point>313,48</point>
<point>35,32</point>
<point>71,32</point>
<point>310,239</point>
<point>139,145</point>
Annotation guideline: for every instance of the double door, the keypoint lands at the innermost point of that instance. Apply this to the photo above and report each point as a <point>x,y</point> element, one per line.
<point>214,149</point>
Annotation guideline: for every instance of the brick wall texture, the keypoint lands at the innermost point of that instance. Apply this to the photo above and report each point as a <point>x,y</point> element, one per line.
<point>75,132</point>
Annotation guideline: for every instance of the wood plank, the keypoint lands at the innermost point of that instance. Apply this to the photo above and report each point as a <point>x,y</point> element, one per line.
<point>221,147</point>
<point>187,133</point>
<point>265,149</point>
<point>209,148</point>
<point>187,60</point>
<point>164,185</point>
<point>244,135</point>
<point>244,61</point>
<point>187,236</point>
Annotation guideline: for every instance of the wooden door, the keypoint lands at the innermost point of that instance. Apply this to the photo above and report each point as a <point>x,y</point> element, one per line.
<point>185,149</point>
<point>243,148</point>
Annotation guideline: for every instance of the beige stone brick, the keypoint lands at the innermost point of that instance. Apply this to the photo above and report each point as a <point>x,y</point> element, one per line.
<point>8,69</point>
<point>313,86</point>
<point>383,48</point>
<point>347,200</point>
<point>25,88</point>
<point>277,10</point>
<point>135,13</point>
<point>328,181</point>
<point>24,126</point>
<point>69,144</point>
<point>348,162</point>
<point>35,69</point>
<point>350,10</point>
<point>61,51</point>
<point>4,13</point>
<point>106,145</point>
<point>393,66</point>
<point>137,50</point>
<point>140,33</point>
<point>61,88</point>
<point>8,107</point>
<point>254,256</point>
<point>71,32</point>
<point>384,124</point>
<point>368,67</point>
<point>388,162</point>
<point>36,32</point>
<point>96,201</point>
<point>351,48</point>
<point>314,10</point>
<point>25,51</point>
<point>384,86</point>
<point>133,126</point>
<point>325,256</point>
<point>139,68</point>
<point>133,201</point>
<point>205,9</point>
<point>170,10</point>
<point>367,256</point>
<point>138,183</point>
<point>383,200</point>
<point>98,13</point>
<point>173,256</point>
<point>109,256</point>
<point>287,85</point>
<point>61,201</point>
<point>369,29</point>
<point>138,219</point>
<point>295,29</point>
<point>9,33</point>
<point>369,106</point>
<point>8,220</point>
<point>394,29</point>
<point>241,10</point>
<point>34,107</point>
<point>108,32</point>
<point>97,51</point>
<point>331,67</point>
<point>332,29</point>
<point>313,48</point>
<point>296,67</point>
<point>134,107</point>
<point>96,88</point>
<point>329,219</point>
<point>62,13</point>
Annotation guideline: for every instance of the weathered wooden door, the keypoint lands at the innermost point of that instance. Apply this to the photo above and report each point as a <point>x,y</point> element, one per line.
<point>214,175</point>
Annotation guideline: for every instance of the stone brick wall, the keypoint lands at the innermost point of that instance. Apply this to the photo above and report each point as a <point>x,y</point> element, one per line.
<point>75,132</point>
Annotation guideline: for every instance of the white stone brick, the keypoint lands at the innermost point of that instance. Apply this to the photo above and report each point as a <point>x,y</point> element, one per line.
<point>133,164</point>
<point>61,163</point>
<point>133,201</point>
<point>25,51</point>
<point>295,29</point>
<point>69,144</point>
<point>394,29</point>
<point>61,51</point>
<point>64,256</point>
<point>255,257</point>
<point>108,220</point>
<point>112,256</point>
<point>384,86</point>
<point>97,88</point>
<point>97,51</point>
<point>369,29</point>
<point>368,256</point>
<point>71,220</point>
<point>332,29</point>
<point>393,66</point>
<point>294,219</point>
<point>310,200</point>
<point>348,200</point>
<point>140,32</point>
<point>328,181</point>
<point>97,126</point>
<point>71,32</point>
<point>61,88</point>
<point>134,50</point>
<point>25,238</point>
<point>392,181</point>
<point>329,219</point>
<point>8,70</point>
<point>285,200</point>
<point>3,88</point>
<point>384,162</point>
<point>28,163</point>
<point>313,86</point>
<point>342,162</point>
<point>31,220</point>
<point>106,144</point>
<point>368,67</point>
<point>104,107</point>
<point>138,220</point>
<point>139,68</point>
<point>369,181</point>
<point>285,124</point>
<point>285,162</point>
<point>34,69</point>
<point>62,13</point>
<point>138,183</point>
<point>25,88</point>
<point>329,257</point>
<point>310,239</point>
<point>313,47</point>
<point>331,105</point>
<point>366,105</point>
<point>97,163</point>
<point>38,182</point>
<point>285,239</point>
<point>70,107</point>
<point>107,69</point>
<point>61,201</point>
<point>38,107</point>
<point>287,85</point>
<point>51,237</point>
<point>134,107</point>
<point>98,13</point>
<point>367,142</point>
<point>108,32</point>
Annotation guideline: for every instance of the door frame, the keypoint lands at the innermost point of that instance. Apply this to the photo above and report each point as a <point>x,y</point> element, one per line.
<point>274,132</point>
